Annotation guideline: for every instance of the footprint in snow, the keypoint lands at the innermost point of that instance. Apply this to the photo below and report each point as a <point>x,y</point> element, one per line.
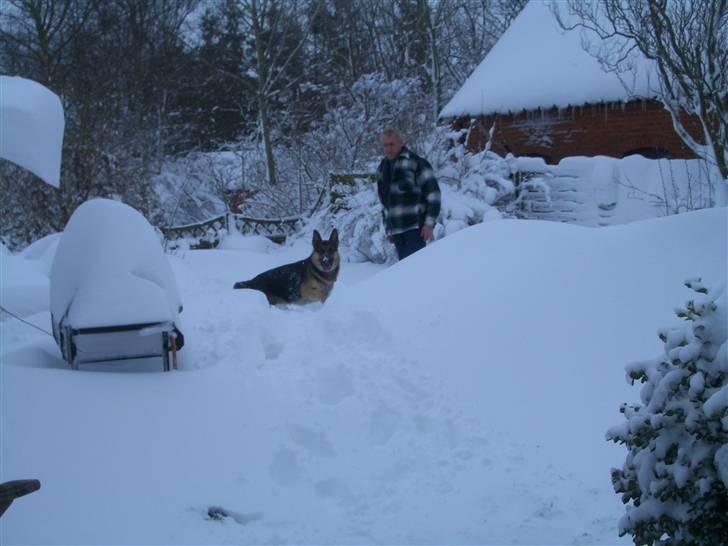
<point>332,488</point>
<point>314,442</point>
<point>284,469</point>
<point>272,350</point>
<point>335,383</point>
<point>383,424</point>
<point>218,513</point>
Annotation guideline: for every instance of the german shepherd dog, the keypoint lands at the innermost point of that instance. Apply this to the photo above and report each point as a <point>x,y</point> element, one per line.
<point>301,282</point>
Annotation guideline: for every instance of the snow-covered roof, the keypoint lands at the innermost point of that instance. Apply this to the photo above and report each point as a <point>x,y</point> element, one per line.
<point>537,64</point>
<point>31,127</point>
<point>110,270</point>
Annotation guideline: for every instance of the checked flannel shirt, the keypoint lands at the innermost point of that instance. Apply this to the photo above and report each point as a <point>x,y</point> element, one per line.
<point>408,191</point>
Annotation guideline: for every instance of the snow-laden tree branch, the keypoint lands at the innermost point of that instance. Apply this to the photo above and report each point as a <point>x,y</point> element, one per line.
<point>686,43</point>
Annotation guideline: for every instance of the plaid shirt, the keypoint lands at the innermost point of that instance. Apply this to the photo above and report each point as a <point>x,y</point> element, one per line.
<point>408,192</point>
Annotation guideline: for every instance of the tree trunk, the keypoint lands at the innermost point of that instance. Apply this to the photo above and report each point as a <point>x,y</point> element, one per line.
<point>265,128</point>
<point>435,67</point>
<point>263,71</point>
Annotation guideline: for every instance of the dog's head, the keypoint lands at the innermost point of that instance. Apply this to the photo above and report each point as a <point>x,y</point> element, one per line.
<point>326,253</point>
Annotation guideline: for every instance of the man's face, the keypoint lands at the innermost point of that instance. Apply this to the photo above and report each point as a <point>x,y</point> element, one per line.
<point>392,145</point>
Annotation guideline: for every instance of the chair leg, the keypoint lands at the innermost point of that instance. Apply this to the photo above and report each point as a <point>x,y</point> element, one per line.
<point>68,336</point>
<point>174,350</point>
<point>165,351</point>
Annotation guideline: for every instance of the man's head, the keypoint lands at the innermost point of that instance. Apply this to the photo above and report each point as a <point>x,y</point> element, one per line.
<point>391,142</point>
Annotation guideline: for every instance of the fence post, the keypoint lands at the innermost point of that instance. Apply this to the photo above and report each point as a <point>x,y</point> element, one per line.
<point>229,222</point>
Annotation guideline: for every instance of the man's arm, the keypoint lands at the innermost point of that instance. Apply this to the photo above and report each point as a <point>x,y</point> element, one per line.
<point>380,182</point>
<point>431,193</point>
<point>381,191</point>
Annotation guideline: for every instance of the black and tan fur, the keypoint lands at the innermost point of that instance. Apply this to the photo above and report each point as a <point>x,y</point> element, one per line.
<point>307,281</point>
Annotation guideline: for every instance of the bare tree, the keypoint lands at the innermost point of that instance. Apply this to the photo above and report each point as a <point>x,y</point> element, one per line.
<point>278,34</point>
<point>688,43</point>
<point>473,27</point>
<point>41,30</point>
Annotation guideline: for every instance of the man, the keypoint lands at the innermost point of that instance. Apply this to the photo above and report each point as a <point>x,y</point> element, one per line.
<point>409,194</point>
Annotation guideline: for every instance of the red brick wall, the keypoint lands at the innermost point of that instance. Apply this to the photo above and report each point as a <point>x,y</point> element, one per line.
<point>613,129</point>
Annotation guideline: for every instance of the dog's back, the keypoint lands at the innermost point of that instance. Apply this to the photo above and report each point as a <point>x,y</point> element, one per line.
<point>281,284</point>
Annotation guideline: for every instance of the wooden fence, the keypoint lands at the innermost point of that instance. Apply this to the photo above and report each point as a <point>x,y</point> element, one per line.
<point>208,234</point>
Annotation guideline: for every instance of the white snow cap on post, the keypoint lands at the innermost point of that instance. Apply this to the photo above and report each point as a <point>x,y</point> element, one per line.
<point>31,127</point>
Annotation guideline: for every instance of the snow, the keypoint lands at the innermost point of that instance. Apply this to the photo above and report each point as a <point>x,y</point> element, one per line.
<point>29,271</point>
<point>717,403</point>
<point>721,463</point>
<point>251,243</point>
<point>43,250</point>
<point>109,270</point>
<point>27,294</point>
<point>460,396</point>
<point>602,190</point>
<point>536,65</point>
<point>31,127</point>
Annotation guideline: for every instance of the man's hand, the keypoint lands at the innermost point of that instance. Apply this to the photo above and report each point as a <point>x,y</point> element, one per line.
<point>426,233</point>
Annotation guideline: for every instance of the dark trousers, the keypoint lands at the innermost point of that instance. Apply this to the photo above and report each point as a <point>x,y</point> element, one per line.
<point>408,243</point>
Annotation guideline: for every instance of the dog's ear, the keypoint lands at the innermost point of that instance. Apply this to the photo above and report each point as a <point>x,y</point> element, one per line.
<point>316,238</point>
<point>334,237</point>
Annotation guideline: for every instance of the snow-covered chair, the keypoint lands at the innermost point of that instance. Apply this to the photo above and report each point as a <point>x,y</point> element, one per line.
<point>113,293</point>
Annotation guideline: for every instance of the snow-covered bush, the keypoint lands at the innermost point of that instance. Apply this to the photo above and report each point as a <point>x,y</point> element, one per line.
<point>355,211</point>
<point>200,186</point>
<point>474,185</point>
<point>674,477</point>
<point>189,187</point>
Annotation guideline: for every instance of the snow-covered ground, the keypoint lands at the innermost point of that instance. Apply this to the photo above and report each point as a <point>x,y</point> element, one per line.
<point>461,396</point>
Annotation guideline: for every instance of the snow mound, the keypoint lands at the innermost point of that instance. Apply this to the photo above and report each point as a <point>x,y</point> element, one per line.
<point>31,131</point>
<point>23,285</point>
<point>43,251</point>
<point>109,269</point>
<point>248,243</point>
<point>483,264</point>
<point>24,288</point>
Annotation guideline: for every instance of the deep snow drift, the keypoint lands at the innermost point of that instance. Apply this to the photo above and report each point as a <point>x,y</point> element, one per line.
<point>461,396</point>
